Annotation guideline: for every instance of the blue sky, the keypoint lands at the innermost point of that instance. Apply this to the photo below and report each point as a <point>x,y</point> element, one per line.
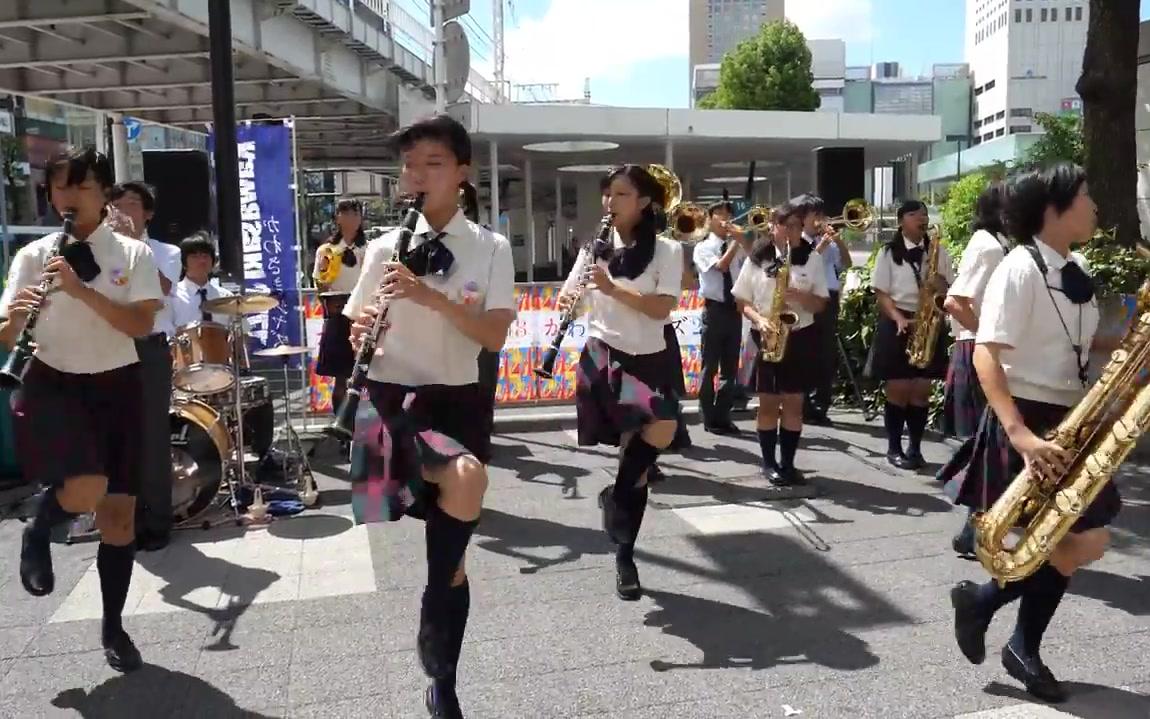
<point>635,51</point>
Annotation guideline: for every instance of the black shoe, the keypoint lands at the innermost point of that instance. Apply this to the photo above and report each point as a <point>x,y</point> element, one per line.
<point>442,703</point>
<point>682,441</point>
<point>792,476</point>
<point>969,624</point>
<point>36,564</point>
<point>152,541</point>
<point>775,476</point>
<point>627,580</point>
<point>122,654</point>
<point>899,460</point>
<point>818,419</point>
<point>1034,675</point>
<point>914,460</point>
<point>727,428</point>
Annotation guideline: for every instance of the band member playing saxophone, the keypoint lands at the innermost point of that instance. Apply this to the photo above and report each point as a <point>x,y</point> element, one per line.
<point>633,282</point>
<point>449,295</point>
<point>780,292</point>
<point>79,413</point>
<point>1037,324</point>
<point>338,264</point>
<point>899,272</point>
<point>964,403</point>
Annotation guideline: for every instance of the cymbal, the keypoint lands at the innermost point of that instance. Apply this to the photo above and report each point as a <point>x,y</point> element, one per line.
<point>241,304</point>
<point>335,294</point>
<point>282,351</point>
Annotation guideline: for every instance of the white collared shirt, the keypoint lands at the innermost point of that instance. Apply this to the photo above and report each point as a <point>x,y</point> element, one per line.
<point>421,346</point>
<point>1017,312</point>
<point>982,255</point>
<point>348,276</point>
<point>832,262</point>
<point>898,280</point>
<point>186,301</point>
<point>615,323</point>
<point>69,335</point>
<point>169,263</point>
<point>706,255</point>
<point>757,288</point>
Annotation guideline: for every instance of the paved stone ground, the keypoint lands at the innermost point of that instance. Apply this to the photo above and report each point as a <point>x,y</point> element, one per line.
<point>830,607</point>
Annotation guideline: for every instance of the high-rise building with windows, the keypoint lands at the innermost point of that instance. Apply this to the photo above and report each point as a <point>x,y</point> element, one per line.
<point>1025,57</point>
<point>717,26</point>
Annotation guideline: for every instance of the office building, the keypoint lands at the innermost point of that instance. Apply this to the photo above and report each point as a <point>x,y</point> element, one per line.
<point>717,26</point>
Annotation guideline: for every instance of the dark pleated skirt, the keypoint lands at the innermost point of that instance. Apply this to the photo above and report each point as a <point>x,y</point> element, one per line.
<point>673,356</point>
<point>986,464</point>
<point>964,401</point>
<point>888,360</point>
<point>403,430</point>
<point>336,356</point>
<point>799,370</point>
<point>617,392</point>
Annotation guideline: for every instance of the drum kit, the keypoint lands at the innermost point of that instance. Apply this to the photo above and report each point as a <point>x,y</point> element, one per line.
<point>215,403</point>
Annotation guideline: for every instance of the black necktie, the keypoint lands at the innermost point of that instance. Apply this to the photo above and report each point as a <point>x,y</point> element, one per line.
<point>431,257</point>
<point>204,314</point>
<point>728,283</point>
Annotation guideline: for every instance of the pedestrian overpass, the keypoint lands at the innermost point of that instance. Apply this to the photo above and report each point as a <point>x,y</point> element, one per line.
<point>349,71</point>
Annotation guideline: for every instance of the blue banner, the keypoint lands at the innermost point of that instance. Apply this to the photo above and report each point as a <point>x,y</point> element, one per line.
<point>267,222</point>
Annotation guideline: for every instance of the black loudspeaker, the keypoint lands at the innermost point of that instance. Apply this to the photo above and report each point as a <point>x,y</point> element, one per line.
<point>182,181</point>
<point>842,177</point>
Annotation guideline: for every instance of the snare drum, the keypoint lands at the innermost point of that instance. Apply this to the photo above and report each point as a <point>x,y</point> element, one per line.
<point>202,358</point>
<point>200,447</point>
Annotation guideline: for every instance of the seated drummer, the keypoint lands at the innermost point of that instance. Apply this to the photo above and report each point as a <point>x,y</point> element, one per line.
<point>198,259</point>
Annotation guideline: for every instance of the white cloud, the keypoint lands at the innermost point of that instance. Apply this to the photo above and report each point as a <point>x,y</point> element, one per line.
<point>849,20</point>
<point>577,39</point>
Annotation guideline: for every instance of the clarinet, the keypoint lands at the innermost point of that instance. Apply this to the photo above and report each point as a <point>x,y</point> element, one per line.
<point>545,370</point>
<point>16,366</point>
<point>343,426</point>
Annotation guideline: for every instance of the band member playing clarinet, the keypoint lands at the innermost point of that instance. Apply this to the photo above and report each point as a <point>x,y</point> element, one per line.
<point>899,271</point>
<point>781,385</point>
<point>633,282</point>
<point>451,294</point>
<point>337,267</point>
<point>79,413</point>
<point>1037,324</point>
<point>964,402</point>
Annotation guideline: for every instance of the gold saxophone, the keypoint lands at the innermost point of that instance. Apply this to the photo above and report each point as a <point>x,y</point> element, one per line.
<point>330,262</point>
<point>775,332</point>
<point>928,316</point>
<point>1099,432</point>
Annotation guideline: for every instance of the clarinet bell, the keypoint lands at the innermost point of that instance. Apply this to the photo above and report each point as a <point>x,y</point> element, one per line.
<point>343,426</point>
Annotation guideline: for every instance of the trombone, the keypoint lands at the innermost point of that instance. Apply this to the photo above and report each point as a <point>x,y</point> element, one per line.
<point>758,220</point>
<point>857,215</point>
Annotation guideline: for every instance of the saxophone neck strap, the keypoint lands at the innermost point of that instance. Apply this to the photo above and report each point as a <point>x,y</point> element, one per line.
<point>1080,357</point>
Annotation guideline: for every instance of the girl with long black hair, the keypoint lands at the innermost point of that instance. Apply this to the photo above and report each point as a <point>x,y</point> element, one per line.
<point>1037,325</point>
<point>633,281</point>
<point>345,247</point>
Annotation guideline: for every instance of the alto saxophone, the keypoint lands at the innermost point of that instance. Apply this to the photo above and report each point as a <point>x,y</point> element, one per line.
<point>1099,432</point>
<point>775,332</point>
<point>928,316</point>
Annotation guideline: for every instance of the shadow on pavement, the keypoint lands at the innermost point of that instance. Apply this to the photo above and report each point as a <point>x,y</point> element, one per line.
<point>511,536</point>
<point>152,693</point>
<point>1088,701</point>
<point>1129,594</point>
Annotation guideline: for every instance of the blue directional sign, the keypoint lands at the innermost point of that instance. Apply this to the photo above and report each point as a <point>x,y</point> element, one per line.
<point>132,127</point>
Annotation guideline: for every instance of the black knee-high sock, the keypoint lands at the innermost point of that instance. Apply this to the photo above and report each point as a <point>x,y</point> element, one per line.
<point>637,457</point>
<point>49,514</point>
<point>894,418</point>
<point>458,608</point>
<point>767,440</point>
<point>635,505</point>
<point>447,539</point>
<point>788,446</point>
<point>114,565</point>
<point>1040,601</point>
<point>991,598</point>
<point>915,427</point>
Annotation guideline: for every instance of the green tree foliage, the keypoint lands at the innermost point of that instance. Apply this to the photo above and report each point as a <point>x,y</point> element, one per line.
<point>770,71</point>
<point>958,211</point>
<point>1062,141</point>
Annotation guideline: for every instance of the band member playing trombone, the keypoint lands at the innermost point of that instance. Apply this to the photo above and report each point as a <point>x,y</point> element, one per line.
<point>449,295</point>
<point>632,282</point>
<point>1037,326</point>
<point>780,292</point>
<point>79,412</point>
<point>338,264</point>
<point>964,402</point>
<point>899,271</point>
<point>718,260</point>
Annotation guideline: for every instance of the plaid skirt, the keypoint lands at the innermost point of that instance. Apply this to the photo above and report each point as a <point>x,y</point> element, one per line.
<point>67,425</point>
<point>403,430</point>
<point>336,356</point>
<point>799,370</point>
<point>986,464</point>
<point>888,360</point>
<point>964,401</point>
<point>617,392</point>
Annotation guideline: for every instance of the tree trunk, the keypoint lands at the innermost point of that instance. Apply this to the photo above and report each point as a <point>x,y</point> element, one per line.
<point>1108,87</point>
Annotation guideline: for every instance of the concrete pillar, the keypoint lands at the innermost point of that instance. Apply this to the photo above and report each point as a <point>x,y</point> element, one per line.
<point>494,185</point>
<point>559,235</point>
<point>120,149</point>
<point>669,155</point>
<point>529,205</point>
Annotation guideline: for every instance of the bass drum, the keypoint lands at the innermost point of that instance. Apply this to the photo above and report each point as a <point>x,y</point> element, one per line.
<point>200,448</point>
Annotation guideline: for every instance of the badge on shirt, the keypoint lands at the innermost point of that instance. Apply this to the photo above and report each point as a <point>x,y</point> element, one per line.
<point>118,277</point>
<point>470,293</point>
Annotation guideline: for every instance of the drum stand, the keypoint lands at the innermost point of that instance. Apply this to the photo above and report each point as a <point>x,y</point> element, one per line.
<point>305,482</point>
<point>240,476</point>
